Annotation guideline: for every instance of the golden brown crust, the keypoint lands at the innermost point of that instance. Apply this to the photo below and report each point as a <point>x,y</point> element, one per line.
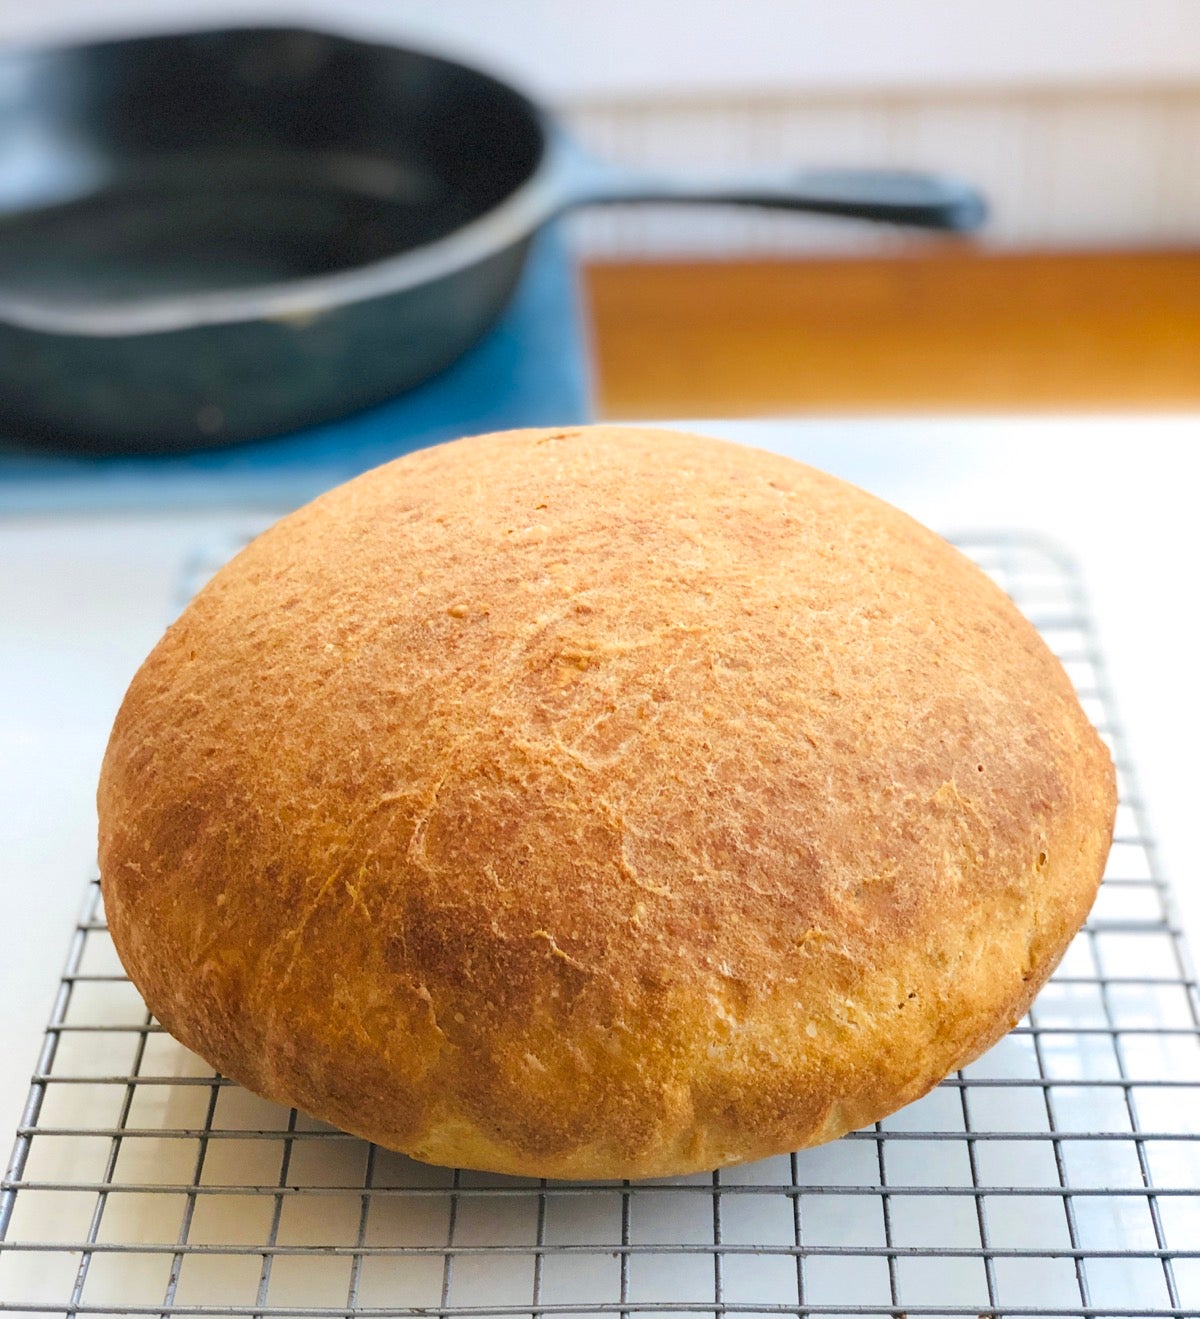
<point>599,802</point>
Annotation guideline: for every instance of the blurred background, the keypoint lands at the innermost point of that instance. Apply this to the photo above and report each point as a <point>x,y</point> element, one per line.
<point>1079,120</point>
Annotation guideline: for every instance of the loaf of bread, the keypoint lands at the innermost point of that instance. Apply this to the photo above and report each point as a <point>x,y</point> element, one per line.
<point>598,802</point>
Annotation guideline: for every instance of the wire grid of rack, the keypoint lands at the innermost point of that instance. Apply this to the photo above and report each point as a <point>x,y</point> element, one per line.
<point>1057,1175</point>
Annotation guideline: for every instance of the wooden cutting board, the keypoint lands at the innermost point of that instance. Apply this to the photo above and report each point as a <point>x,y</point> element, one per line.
<point>937,329</point>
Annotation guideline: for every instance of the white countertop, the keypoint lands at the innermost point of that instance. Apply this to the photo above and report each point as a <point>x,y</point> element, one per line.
<point>82,600</point>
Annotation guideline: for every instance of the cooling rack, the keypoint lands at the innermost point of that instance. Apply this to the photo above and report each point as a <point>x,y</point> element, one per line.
<point>1057,1175</point>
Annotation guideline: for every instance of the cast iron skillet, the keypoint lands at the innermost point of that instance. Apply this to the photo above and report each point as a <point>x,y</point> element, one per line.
<point>219,235</point>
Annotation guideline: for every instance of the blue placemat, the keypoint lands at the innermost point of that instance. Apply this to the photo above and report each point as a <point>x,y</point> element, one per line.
<point>530,370</point>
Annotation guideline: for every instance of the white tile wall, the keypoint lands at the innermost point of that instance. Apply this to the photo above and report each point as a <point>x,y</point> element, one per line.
<point>1062,168</point>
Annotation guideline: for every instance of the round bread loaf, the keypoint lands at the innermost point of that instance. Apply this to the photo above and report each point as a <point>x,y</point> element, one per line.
<point>598,803</point>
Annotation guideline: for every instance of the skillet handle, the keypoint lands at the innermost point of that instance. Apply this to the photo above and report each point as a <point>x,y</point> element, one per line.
<point>929,201</point>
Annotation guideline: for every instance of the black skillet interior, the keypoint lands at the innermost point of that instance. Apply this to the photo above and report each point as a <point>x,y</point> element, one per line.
<point>187,163</point>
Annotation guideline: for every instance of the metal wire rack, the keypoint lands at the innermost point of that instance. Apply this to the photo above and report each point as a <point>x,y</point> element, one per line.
<point>1058,1175</point>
